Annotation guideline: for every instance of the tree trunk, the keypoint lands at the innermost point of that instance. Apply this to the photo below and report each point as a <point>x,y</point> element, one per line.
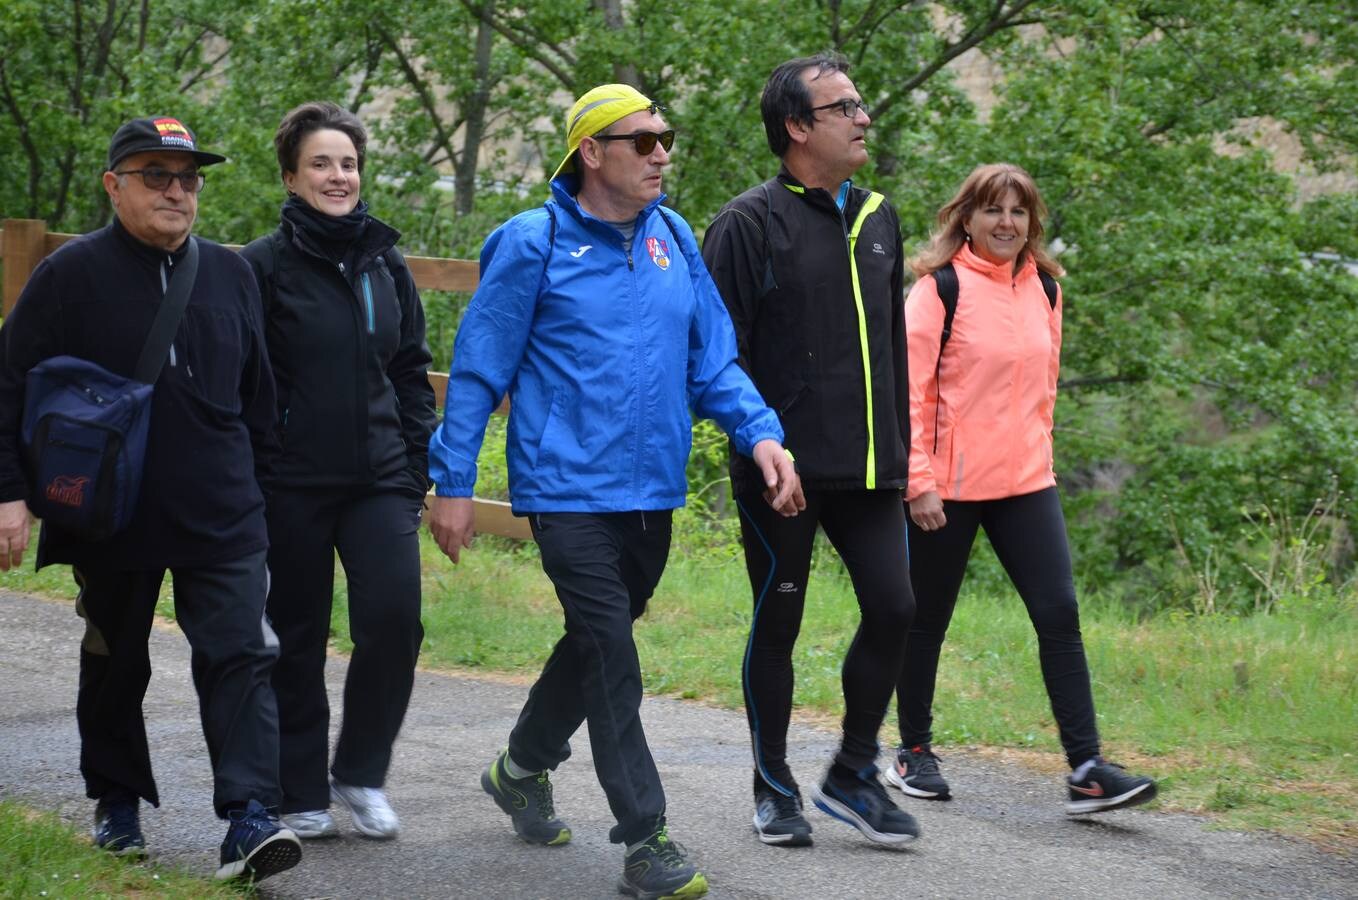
<point>464,175</point>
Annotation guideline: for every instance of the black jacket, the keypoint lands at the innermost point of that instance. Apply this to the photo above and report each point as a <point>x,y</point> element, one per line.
<point>212,409</point>
<point>830,359</point>
<point>348,349</point>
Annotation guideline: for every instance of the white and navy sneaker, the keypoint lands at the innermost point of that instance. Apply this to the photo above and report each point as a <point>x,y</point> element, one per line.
<point>256,845</point>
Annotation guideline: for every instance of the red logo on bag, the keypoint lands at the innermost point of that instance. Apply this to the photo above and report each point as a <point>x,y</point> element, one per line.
<point>68,490</point>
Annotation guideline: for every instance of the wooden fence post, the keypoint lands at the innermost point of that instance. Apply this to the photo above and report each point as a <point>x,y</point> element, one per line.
<point>24,249</point>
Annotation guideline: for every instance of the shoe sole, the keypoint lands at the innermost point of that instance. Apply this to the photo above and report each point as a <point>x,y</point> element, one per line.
<point>833,808</point>
<point>1135,797</point>
<point>279,853</point>
<point>695,887</point>
<point>896,781</point>
<point>562,837</point>
<point>376,834</point>
<point>781,840</point>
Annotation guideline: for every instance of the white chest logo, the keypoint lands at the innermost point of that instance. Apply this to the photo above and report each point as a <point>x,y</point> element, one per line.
<point>584,248</point>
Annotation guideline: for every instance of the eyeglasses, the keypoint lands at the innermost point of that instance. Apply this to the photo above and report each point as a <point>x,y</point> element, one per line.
<point>159,179</point>
<point>643,141</point>
<point>849,108</point>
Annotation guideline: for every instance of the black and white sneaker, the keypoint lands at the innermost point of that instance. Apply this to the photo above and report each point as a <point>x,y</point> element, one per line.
<point>1107,786</point>
<point>778,817</point>
<point>915,771</point>
<point>861,801</point>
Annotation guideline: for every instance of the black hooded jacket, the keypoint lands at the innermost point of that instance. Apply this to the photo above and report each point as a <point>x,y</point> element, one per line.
<point>347,344</point>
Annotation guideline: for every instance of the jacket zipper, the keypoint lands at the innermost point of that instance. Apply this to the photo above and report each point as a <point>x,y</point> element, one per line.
<point>368,301</point>
<point>870,205</point>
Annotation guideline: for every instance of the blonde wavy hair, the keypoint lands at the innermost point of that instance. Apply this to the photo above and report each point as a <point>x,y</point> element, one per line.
<point>985,185</point>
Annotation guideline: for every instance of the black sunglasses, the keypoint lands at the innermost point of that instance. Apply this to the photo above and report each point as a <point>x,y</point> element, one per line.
<point>643,141</point>
<point>159,179</point>
<point>849,108</point>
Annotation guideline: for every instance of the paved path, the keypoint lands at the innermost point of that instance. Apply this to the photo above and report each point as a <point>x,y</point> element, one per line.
<point>1004,835</point>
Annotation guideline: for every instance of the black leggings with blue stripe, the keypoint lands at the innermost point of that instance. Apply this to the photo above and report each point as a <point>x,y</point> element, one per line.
<point>867,528</point>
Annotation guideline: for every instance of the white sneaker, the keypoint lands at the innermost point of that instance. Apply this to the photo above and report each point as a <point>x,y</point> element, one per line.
<point>316,823</point>
<point>373,815</point>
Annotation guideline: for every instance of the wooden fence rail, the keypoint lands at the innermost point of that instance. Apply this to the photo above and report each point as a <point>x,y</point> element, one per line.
<point>24,242</point>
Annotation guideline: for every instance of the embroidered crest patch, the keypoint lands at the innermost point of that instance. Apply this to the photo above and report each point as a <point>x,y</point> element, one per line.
<point>659,251</point>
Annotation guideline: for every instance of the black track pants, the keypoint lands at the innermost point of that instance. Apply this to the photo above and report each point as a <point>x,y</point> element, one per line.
<point>605,567</point>
<point>377,535</point>
<point>1028,533</point>
<point>220,608</point>
<point>868,530</point>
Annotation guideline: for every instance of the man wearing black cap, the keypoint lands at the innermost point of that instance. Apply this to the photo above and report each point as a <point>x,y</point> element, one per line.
<point>200,512</point>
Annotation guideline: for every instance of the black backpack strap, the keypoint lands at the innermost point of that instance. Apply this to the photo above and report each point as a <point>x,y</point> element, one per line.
<point>1049,286</point>
<point>945,280</point>
<point>166,323</point>
<point>678,243</point>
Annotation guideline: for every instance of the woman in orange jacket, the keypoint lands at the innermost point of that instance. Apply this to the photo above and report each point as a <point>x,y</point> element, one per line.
<point>981,400</point>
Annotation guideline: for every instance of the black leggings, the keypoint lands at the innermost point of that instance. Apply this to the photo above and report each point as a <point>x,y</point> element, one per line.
<point>868,530</point>
<point>1028,533</point>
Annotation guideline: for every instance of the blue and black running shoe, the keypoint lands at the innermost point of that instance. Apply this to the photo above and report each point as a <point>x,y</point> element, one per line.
<point>860,800</point>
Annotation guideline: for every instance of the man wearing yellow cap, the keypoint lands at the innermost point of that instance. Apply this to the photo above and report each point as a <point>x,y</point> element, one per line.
<point>596,314</point>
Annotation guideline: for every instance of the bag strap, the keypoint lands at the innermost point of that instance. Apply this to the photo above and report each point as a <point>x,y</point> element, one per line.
<point>1049,286</point>
<point>945,281</point>
<point>171,311</point>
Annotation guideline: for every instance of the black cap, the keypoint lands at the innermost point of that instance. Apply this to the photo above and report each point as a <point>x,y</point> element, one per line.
<point>156,133</point>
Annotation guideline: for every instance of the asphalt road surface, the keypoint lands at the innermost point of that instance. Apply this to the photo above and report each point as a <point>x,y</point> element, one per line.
<point>1004,835</point>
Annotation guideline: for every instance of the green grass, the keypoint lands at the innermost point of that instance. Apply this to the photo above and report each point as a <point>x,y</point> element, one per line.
<point>1250,720</point>
<point>44,857</point>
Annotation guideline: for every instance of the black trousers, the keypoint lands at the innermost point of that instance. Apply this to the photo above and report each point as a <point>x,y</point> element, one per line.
<point>1028,533</point>
<point>376,532</point>
<point>220,609</point>
<point>605,567</point>
<point>868,530</point>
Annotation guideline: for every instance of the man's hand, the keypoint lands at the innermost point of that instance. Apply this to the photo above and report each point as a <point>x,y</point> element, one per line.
<point>926,511</point>
<point>784,487</point>
<point>452,522</point>
<point>15,525</point>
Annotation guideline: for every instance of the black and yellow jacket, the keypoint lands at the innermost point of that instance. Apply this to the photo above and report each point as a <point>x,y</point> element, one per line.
<point>816,297</point>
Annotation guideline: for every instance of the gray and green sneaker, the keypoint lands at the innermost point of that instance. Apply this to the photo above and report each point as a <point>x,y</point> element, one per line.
<point>528,801</point>
<point>660,870</point>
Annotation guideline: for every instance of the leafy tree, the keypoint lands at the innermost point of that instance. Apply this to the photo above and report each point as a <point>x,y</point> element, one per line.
<point>1208,378</point>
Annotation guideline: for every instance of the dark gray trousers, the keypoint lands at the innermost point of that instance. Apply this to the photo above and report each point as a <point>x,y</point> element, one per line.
<point>605,566</point>
<point>220,608</point>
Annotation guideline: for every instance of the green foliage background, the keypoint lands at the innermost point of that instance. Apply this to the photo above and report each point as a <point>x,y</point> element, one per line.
<point>1206,429</point>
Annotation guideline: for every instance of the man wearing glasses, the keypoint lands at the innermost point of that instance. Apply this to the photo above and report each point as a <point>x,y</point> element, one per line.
<point>200,513</point>
<point>596,314</point>
<point>811,269</point>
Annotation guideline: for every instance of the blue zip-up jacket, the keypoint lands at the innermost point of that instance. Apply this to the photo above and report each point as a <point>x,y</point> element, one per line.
<point>602,353</point>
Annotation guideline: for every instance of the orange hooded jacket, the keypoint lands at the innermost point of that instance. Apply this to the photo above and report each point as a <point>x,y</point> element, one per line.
<point>981,424</point>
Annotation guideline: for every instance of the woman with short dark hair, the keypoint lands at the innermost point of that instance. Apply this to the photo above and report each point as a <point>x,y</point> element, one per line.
<point>983,328</point>
<point>346,337</point>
